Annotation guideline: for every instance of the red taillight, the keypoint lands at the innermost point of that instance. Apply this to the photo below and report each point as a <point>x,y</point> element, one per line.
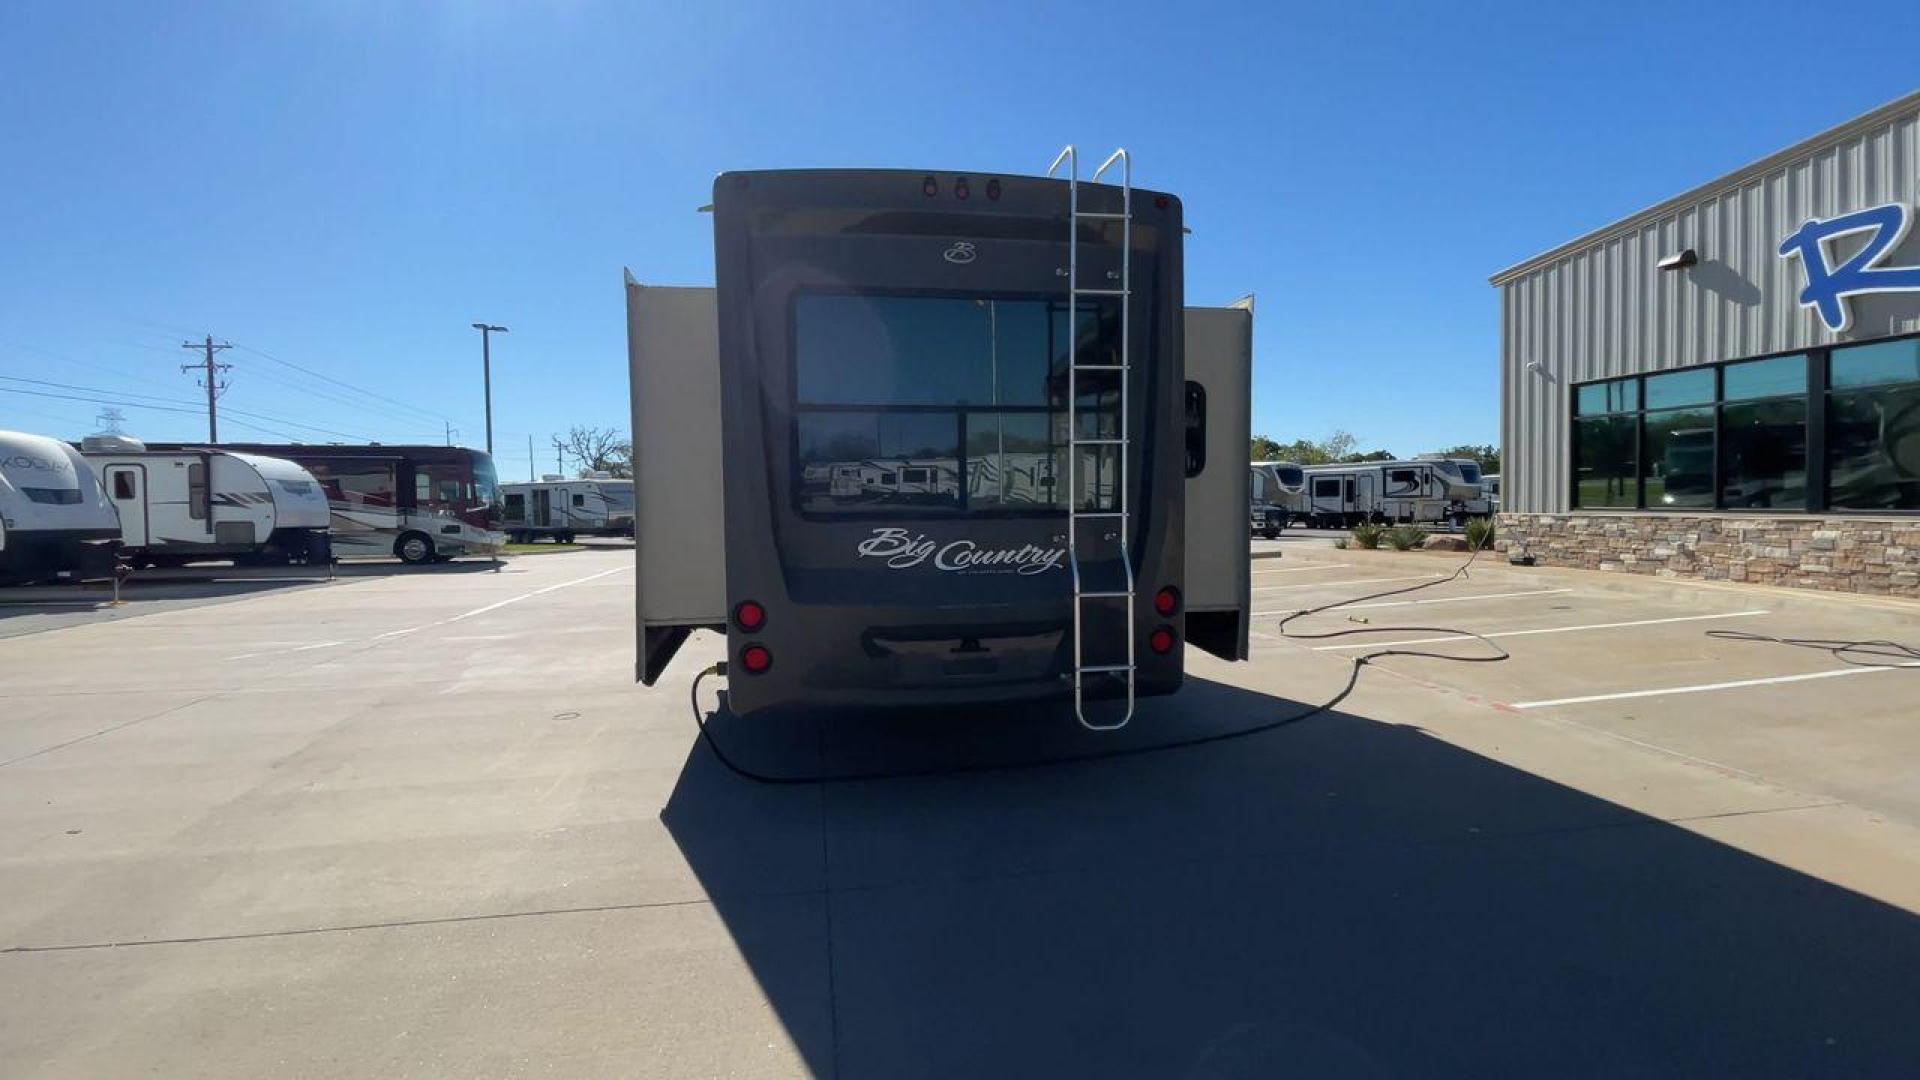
<point>756,659</point>
<point>962,189</point>
<point>993,189</point>
<point>749,616</point>
<point>1167,601</point>
<point>929,187</point>
<point>1161,640</point>
<point>1159,202</point>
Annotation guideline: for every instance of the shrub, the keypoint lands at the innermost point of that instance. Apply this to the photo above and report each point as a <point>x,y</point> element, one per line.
<point>1341,543</point>
<point>1479,533</point>
<point>1405,537</point>
<point>1368,535</point>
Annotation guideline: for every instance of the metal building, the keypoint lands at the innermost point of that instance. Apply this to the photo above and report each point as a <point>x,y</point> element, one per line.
<point>1727,384</point>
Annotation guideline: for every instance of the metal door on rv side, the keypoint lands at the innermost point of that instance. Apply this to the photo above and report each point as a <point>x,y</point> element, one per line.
<point>127,489</point>
<point>1329,495</point>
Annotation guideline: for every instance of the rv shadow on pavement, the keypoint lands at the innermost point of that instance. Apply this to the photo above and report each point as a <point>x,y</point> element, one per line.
<point>1340,898</point>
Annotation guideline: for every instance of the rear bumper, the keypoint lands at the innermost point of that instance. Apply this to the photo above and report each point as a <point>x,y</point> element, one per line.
<point>842,660</point>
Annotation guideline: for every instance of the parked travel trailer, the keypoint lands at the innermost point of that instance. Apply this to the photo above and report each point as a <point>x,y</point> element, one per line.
<point>55,521</point>
<point>561,509</point>
<point>179,506</point>
<point>420,503</point>
<point>1414,492</point>
<point>1279,491</point>
<point>1466,473</point>
<point>1491,481</point>
<point>941,438</point>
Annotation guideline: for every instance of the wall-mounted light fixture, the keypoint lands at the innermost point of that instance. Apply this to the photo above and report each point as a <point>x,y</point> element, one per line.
<point>1679,260</point>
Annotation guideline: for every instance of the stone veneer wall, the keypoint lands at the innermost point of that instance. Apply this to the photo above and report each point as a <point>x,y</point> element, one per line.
<point>1880,556</point>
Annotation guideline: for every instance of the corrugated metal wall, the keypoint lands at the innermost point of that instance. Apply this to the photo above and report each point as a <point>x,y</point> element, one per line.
<point>1602,309</point>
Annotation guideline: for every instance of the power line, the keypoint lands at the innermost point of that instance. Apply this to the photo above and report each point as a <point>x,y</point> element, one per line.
<point>338,399</point>
<point>344,384</point>
<point>142,405</point>
<point>177,402</point>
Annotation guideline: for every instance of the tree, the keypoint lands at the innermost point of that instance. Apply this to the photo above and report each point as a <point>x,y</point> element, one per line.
<point>600,450</point>
<point>1371,455</point>
<point>1487,455</point>
<point>1335,447</point>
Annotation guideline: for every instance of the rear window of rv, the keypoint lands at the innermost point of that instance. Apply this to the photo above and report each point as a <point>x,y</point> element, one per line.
<point>910,404</point>
<point>52,496</point>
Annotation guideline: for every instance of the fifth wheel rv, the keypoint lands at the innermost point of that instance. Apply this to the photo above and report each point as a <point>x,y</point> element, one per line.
<point>180,506</point>
<point>1417,492</point>
<point>55,522</point>
<point>941,438</point>
<point>561,509</point>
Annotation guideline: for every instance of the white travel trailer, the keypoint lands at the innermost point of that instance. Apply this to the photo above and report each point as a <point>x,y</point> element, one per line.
<point>1415,492</point>
<point>1279,496</point>
<point>55,522</point>
<point>554,506</point>
<point>1467,472</point>
<point>180,506</point>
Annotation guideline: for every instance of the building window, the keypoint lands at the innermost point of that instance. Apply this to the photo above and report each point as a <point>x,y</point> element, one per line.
<point>1606,439</point>
<point>1763,434</point>
<point>1834,428</point>
<point>1873,426</point>
<point>1606,468</point>
<point>1678,461</point>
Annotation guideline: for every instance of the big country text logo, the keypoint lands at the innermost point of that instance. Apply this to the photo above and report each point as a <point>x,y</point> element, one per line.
<point>1828,285</point>
<point>903,550</point>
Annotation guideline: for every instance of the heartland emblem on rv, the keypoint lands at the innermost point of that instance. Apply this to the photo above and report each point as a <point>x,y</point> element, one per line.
<point>903,550</point>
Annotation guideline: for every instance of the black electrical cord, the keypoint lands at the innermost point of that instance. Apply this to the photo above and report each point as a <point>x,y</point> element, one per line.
<point>1353,679</point>
<point>1876,654</point>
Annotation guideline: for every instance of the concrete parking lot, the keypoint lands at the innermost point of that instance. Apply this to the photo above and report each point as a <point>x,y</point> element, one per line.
<point>425,825</point>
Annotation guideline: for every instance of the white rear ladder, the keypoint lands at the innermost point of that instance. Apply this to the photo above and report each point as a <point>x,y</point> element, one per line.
<point>1076,513</point>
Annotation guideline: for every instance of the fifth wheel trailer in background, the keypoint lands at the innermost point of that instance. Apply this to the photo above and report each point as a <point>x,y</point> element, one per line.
<point>206,503</point>
<point>1066,506</point>
<point>559,508</point>
<point>55,522</point>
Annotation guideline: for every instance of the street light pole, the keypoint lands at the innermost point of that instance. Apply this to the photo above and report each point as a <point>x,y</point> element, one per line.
<point>486,371</point>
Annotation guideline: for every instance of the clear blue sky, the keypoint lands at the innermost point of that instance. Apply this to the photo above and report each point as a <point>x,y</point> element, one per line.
<point>346,186</point>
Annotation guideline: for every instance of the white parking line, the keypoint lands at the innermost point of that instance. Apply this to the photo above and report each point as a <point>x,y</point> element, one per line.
<point>1543,630</point>
<point>1435,600</point>
<point>497,605</point>
<point>1299,569</point>
<point>1331,584</point>
<point>1704,687</point>
<point>295,649</point>
<point>500,604</point>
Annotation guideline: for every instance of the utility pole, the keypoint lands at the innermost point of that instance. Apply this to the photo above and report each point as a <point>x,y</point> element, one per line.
<point>486,371</point>
<point>110,421</point>
<point>450,431</point>
<point>210,378</point>
<point>559,448</point>
<point>530,462</point>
